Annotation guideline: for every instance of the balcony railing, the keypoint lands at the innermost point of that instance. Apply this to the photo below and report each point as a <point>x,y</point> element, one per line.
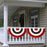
<point>26,39</point>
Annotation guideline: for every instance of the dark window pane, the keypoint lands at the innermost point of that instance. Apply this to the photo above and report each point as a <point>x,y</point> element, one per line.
<point>36,25</point>
<point>36,18</point>
<point>36,22</point>
<point>32,19</point>
<point>32,25</point>
<point>14,22</point>
<point>33,14</point>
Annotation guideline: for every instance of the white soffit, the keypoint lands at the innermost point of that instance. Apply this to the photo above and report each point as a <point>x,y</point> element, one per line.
<point>40,1</point>
<point>25,4</point>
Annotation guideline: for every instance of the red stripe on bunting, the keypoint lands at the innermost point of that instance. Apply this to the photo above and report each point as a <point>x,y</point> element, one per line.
<point>16,35</point>
<point>38,35</point>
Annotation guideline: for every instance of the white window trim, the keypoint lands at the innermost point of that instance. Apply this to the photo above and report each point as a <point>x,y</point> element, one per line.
<point>21,12</point>
<point>33,17</point>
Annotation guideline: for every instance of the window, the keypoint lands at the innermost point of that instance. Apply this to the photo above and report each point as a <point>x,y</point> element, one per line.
<point>34,18</point>
<point>34,21</point>
<point>14,22</point>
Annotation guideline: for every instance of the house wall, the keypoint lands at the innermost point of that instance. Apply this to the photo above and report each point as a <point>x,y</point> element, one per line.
<point>43,20</point>
<point>42,23</point>
<point>18,15</point>
<point>27,16</point>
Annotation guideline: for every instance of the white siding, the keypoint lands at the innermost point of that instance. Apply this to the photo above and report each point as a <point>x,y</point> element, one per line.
<point>43,19</point>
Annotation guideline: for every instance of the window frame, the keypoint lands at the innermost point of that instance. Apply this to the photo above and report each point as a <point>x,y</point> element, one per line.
<point>33,14</point>
<point>34,17</point>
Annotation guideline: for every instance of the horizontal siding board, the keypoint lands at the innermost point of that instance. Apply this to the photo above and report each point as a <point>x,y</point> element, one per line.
<point>43,19</point>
